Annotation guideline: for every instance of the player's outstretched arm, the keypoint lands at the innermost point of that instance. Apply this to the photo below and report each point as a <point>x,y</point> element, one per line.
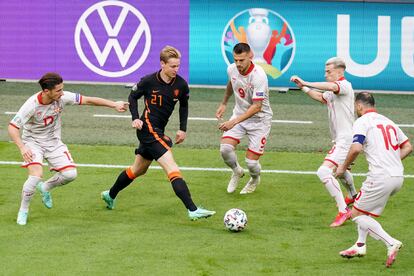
<point>324,86</point>
<point>119,106</point>
<point>303,85</point>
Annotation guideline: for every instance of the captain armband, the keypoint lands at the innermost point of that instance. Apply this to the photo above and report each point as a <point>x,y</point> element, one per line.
<point>358,138</point>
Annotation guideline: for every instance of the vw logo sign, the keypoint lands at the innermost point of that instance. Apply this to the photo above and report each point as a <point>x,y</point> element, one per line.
<point>112,38</point>
<point>269,36</point>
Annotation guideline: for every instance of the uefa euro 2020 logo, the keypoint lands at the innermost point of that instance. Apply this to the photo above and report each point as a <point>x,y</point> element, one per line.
<point>269,36</point>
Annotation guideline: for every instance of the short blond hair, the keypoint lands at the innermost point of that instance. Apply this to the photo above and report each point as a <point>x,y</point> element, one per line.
<point>169,52</point>
<point>337,62</point>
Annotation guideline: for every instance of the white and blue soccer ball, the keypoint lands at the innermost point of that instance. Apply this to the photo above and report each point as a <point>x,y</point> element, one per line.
<point>235,220</point>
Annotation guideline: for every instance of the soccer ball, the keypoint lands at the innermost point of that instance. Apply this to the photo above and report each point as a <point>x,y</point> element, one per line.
<point>235,220</point>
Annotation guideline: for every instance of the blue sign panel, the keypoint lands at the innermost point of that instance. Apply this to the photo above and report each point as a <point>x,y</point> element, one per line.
<point>297,37</point>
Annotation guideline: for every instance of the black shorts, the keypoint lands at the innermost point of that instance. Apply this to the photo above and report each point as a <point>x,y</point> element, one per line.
<point>154,150</point>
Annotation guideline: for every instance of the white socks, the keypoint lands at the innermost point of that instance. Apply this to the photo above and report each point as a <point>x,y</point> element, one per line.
<point>332,185</point>
<point>29,188</point>
<point>59,179</point>
<point>229,156</point>
<point>254,168</point>
<point>367,224</point>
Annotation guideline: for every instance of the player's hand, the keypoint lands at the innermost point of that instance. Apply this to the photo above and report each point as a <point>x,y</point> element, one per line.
<point>298,81</point>
<point>26,154</point>
<point>220,111</point>
<point>340,171</point>
<point>180,136</point>
<point>137,123</point>
<point>227,125</point>
<point>121,106</point>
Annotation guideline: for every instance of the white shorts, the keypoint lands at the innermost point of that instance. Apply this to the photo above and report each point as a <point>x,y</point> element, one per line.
<point>375,192</point>
<point>337,154</point>
<point>257,131</point>
<point>57,155</point>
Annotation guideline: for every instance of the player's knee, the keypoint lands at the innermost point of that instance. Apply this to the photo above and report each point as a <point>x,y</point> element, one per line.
<point>226,149</point>
<point>141,172</point>
<point>323,172</point>
<point>29,187</point>
<point>253,166</point>
<point>69,175</point>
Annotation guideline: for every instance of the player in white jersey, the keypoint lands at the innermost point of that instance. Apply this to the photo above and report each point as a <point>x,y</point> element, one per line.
<point>40,118</point>
<point>338,95</point>
<point>384,145</point>
<point>252,116</point>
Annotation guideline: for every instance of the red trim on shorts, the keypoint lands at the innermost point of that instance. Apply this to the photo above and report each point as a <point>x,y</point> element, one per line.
<point>235,139</point>
<point>251,67</point>
<point>255,152</point>
<point>80,100</point>
<point>63,168</point>
<point>333,162</point>
<point>339,88</point>
<point>365,212</point>
<point>29,164</point>
<point>258,99</point>
<point>403,143</point>
<point>13,125</point>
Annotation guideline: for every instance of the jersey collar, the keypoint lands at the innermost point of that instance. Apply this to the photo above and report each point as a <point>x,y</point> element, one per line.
<point>370,110</point>
<point>39,98</point>
<point>251,67</point>
<point>158,75</point>
<point>341,78</point>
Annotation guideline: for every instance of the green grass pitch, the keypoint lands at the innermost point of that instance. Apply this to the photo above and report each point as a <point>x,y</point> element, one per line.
<point>149,233</point>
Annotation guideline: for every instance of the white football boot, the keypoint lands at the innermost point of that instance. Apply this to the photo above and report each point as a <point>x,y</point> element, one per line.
<point>354,251</point>
<point>250,186</point>
<point>392,253</point>
<point>234,180</point>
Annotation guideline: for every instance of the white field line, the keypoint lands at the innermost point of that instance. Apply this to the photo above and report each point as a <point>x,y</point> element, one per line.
<point>206,119</point>
<point>201,119</point>
<point>107,166</point>
<point>214,119</point>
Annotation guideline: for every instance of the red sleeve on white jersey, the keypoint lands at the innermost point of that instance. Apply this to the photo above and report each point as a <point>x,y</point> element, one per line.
<point>402,138</point>
<point>13,125</point>
<point>401,144</point>
<point>339,87</point>
<point>344,87</point>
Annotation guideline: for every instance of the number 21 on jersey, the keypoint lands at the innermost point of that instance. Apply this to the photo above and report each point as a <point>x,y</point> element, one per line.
<point>156,99</point>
